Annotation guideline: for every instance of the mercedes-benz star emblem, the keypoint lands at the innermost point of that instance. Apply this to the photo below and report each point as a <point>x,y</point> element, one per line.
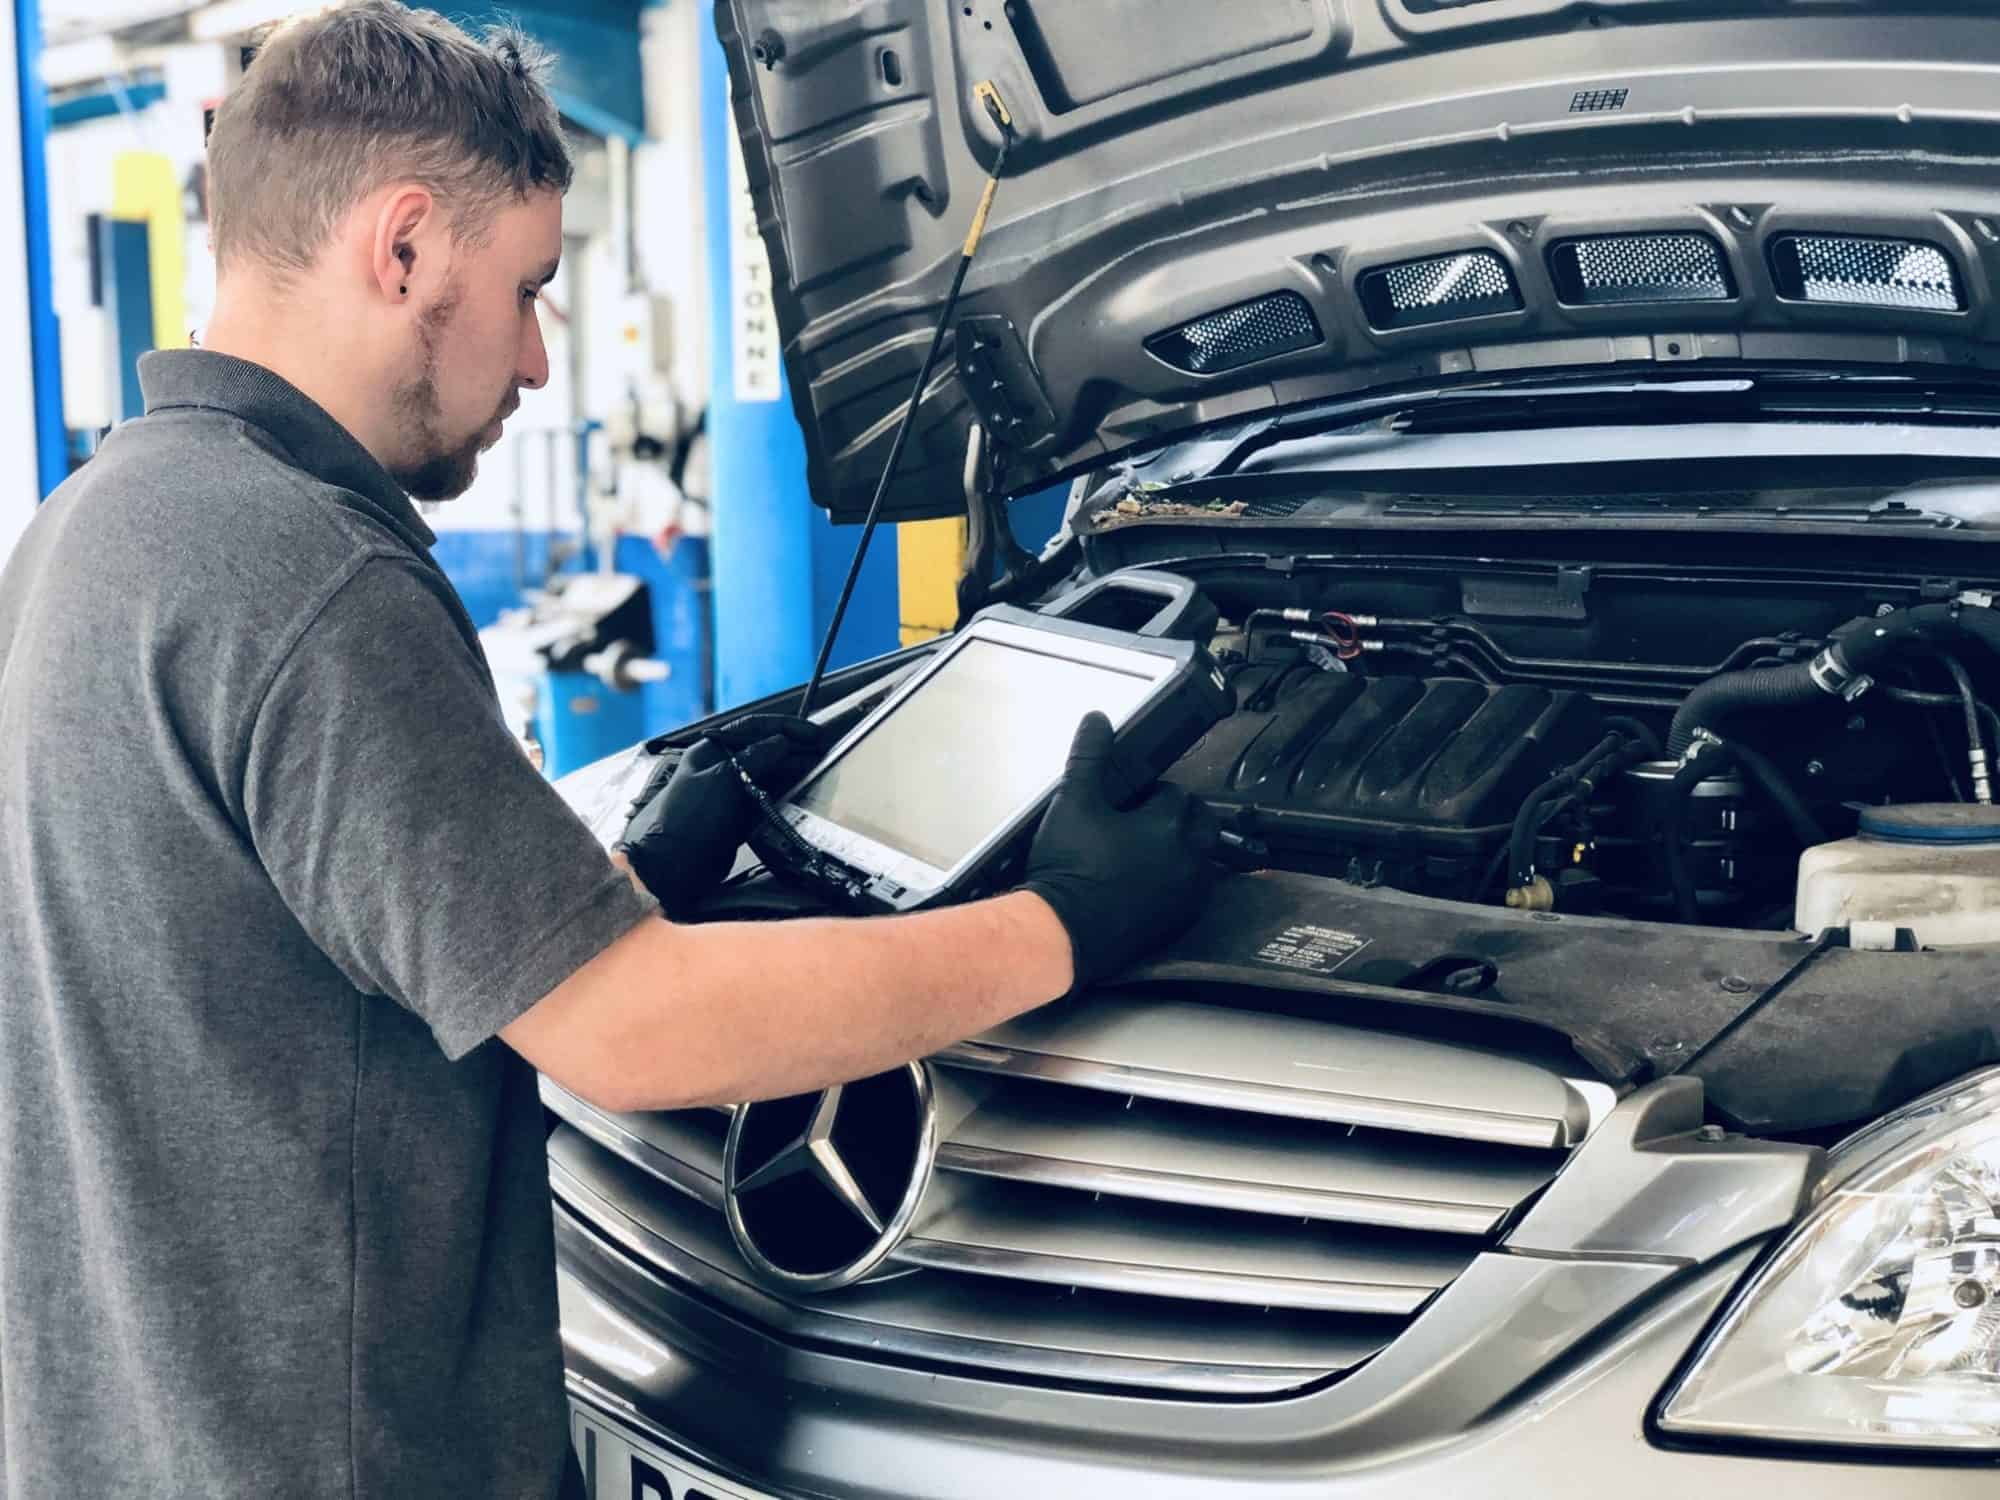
<point>820,1188</point>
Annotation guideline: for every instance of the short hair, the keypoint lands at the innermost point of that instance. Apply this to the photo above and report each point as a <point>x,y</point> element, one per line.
<point>338,104</point>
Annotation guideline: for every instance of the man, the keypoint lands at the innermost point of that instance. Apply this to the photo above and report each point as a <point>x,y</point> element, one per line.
<point>288,915</point>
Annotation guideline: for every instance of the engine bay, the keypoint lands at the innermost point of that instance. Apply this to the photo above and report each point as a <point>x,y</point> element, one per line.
<point>1576,807</point>
<point>1649,744</point>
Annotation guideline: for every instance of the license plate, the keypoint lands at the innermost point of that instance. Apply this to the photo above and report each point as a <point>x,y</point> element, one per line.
<point>619,1465</point>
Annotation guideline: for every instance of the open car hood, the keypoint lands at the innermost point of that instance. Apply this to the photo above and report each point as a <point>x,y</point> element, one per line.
<point>1212,210</point>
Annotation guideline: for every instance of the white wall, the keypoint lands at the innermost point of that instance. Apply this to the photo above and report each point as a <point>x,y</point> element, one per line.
<point>80,161</point>
<point>669,266</point>
<point>516,471</point>
<point>670,224</point>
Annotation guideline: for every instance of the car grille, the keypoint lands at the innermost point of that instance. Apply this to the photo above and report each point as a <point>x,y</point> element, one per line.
<point>1139,1191</point>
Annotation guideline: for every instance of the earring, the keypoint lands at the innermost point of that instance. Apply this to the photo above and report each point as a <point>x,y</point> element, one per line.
<point>404,290</point>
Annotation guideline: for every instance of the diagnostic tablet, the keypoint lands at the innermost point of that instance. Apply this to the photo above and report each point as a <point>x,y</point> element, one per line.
<point>920,801</point>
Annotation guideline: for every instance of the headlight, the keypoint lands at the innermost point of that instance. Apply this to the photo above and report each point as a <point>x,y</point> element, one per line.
<point>1877,1323</point>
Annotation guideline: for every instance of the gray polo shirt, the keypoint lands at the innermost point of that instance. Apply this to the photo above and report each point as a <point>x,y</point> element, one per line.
<point>274,1212</point>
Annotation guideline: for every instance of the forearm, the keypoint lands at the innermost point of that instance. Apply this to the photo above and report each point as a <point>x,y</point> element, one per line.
<point>733,1011</point>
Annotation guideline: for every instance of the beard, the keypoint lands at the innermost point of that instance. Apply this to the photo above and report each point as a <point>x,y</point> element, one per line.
<point>438,468</point>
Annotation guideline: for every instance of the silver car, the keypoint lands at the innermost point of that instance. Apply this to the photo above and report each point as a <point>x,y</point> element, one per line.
<point>1580,424</point>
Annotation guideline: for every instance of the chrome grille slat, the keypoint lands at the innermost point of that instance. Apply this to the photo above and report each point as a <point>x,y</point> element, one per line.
<point>1077,1138</point>
<point>1048,1234</point>
<point>1148,1192</point>
<point>1282,1065</point>
<point>674,1147</point>
<point>929,1315</point>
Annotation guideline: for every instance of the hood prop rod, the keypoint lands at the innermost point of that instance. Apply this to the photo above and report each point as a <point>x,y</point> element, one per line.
<point>989,99</point>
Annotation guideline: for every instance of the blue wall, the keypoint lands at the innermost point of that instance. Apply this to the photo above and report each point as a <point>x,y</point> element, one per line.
<point>595,73</point>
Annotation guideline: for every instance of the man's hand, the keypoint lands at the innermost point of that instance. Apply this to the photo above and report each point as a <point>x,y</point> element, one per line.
<point>685,834</point>
<point>1120,883</point>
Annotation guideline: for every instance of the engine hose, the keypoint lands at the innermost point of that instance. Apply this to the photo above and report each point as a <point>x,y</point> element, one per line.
<point>1760,687</point>
<point>1919,699</point>
<point>1858,649</point>
<point>1528,818</point>
<point>1973,620</point>
<point>1975,736</point>
<point>1805,827</point>
<point>1714,760</point>
<point>1633,729</point>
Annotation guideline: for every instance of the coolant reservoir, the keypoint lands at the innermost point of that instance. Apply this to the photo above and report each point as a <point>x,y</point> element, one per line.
<point>1931,867</point>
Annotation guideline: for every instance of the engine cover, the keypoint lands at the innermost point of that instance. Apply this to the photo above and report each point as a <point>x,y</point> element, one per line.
<point>1404,781</point>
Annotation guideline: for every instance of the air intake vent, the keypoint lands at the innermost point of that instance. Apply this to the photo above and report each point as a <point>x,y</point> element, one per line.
<point>1857,272</point>
<point>1621,268</point>
<point>1473,284</point>
<point>1281,323</point>
<point>1598,101</point>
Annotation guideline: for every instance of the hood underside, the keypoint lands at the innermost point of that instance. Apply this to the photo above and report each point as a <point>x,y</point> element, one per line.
<point>1210,211</point>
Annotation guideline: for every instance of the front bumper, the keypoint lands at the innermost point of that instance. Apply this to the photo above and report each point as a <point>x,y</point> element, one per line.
<point>765,1418</point>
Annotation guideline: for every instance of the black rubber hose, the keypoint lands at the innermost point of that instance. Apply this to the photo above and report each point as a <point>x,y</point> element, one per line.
<point>1981,624</point>
<point>1873,641</point>
<point>1864,645</point>
<point>1528,817</point>
<point>1635,730</point>
<point>1715,760</point>
<point>1917,697</point>
<point>1719,697</point>
<point>1980,719</point>
<point>1805,827</point>
<point>1975,735</point>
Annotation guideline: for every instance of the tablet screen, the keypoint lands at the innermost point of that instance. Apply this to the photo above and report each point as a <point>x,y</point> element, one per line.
<point>974,744</point>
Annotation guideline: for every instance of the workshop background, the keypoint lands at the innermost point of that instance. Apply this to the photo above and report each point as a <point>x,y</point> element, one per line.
<point>642,548</point>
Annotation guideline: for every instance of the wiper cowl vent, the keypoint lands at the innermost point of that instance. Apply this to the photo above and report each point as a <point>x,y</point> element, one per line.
<point>1618,269</point>
<point>1443,289</point>
<point>1232,337</point>
<point>1853,272</point>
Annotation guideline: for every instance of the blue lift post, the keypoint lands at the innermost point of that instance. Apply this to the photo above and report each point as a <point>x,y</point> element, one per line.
<point>777,561</point>
<point>51,443</point>
<point>125,292</point>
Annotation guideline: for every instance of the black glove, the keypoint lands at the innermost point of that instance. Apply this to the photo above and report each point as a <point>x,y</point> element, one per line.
<point>1121,883</point>
<point>693,817</point>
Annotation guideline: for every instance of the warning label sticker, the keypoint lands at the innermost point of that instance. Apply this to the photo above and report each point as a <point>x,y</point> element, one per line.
<point>1311,950</point>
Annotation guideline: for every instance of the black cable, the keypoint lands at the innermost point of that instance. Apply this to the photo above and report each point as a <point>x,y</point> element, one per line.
<point>993,108</point>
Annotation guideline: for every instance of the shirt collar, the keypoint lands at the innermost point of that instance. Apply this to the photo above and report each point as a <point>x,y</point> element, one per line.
<point>314,441</point>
